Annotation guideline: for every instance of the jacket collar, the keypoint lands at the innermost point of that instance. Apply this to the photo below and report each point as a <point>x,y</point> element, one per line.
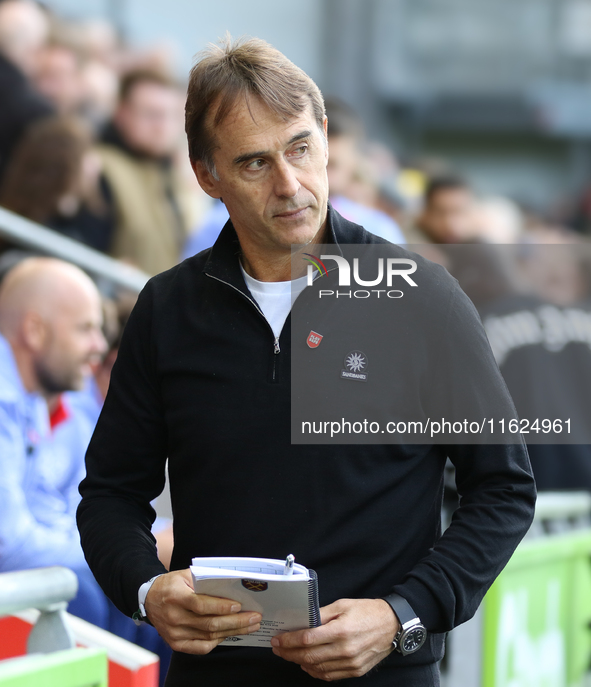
<point>223,262</point>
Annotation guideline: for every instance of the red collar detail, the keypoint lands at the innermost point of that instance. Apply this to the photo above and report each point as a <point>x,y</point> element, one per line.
<point>60,414</point>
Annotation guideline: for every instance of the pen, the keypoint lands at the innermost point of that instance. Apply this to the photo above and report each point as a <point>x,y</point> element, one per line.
<point>288,570</point>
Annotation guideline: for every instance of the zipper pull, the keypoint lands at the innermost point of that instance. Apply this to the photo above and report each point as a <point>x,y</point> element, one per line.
<point>276,348</point>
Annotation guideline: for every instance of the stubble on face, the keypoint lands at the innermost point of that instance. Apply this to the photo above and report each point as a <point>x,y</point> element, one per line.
<point>74,343</point>
<point>57,376</point>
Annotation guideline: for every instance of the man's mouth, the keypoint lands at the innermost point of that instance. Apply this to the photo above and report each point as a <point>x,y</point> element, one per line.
<point>292,214</point>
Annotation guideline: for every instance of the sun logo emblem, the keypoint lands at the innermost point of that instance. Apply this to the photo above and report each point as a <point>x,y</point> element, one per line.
<point>356,361</point>
<point>356,364</point>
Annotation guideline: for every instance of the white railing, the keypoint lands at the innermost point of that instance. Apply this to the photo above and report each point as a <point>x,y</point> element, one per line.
<point>30,235</point>
<point>48,590</point>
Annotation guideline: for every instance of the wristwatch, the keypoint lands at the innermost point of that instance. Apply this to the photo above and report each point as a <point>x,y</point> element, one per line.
<point>412,633</point>
<point>140,615</point>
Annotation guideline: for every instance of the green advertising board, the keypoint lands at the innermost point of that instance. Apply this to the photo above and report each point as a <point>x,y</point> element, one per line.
<point>69,668</point>
<point>537,615</point>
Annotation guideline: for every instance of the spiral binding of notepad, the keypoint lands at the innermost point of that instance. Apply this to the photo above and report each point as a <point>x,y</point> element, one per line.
<point>313,601</point>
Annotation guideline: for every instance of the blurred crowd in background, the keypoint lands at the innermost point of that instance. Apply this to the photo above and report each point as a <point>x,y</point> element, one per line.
<point>92,146</point>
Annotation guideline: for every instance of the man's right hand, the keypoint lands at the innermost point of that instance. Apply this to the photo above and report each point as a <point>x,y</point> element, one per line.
<point>194,623</point>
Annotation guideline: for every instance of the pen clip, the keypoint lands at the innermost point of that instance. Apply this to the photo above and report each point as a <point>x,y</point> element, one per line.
<point>289,561</point>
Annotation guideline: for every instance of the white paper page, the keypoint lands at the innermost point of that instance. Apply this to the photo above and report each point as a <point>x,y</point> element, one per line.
<point>268,566</point>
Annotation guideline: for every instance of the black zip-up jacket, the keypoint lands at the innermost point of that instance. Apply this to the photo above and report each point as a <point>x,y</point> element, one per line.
<point>200,380</point>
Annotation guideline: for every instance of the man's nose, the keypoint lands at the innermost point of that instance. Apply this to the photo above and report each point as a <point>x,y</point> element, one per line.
<point>285,181</point>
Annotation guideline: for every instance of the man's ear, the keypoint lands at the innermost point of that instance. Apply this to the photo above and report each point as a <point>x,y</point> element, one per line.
<point>206,179</point>
<point>34,331</point>
<point>325,129</point>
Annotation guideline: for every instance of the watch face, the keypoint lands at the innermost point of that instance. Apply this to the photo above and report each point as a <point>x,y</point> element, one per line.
<point>413,640</point>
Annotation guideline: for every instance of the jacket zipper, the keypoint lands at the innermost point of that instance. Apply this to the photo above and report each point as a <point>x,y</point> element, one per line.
<point>276,347</point>
<point>276,351</point>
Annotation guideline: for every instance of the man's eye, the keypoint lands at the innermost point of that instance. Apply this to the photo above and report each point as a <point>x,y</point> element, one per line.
<point>255,164</point>
<point>300,150</point>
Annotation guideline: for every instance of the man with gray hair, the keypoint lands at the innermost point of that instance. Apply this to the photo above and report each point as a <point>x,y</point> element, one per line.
<point>203,380</point>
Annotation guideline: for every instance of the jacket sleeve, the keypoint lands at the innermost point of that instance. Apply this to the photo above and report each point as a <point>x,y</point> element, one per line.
<point>125,469</point>
<point>494,481</point>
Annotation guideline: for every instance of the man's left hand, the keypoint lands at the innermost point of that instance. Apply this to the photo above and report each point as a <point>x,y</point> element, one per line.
<point>355,635</point>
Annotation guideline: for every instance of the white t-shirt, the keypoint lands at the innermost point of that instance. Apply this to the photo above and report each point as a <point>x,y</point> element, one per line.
<point>274,298</point>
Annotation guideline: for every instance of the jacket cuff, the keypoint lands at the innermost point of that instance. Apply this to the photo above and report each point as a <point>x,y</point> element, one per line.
<point>426,605</point>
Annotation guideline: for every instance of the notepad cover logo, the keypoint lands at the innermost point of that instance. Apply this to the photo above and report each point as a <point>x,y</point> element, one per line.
<point>255,585</point>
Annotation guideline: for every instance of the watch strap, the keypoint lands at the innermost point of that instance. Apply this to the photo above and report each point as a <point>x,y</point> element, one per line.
<point>140,614</point>
<point>401,608</point>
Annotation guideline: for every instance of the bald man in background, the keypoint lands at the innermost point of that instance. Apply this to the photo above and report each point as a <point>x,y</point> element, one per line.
<point>50,333</point>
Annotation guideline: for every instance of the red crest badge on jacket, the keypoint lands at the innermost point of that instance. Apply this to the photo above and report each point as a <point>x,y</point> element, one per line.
<point>314,339</point>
